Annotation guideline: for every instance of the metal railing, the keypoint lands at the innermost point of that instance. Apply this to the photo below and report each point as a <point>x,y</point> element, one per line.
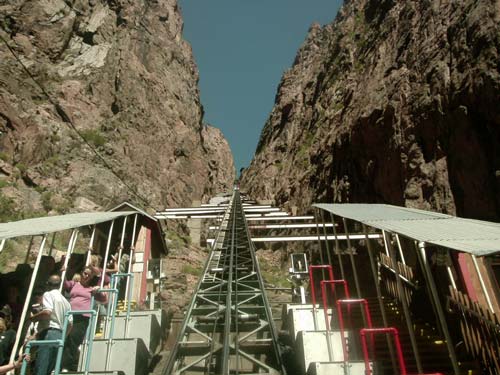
<point>60,343</point>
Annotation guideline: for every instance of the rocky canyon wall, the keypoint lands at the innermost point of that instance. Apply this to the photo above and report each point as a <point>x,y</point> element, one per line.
<point>395,102</point>
<point>120,73</point>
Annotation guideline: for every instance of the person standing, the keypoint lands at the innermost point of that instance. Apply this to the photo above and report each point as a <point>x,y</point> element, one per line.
<point>50,325</point>
<point>81,293</point>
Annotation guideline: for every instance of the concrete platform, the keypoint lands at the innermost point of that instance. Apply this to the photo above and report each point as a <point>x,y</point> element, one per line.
<point>129,356</point>
<point>305,318</point>
<point>312,346</point>
<point>337,368</point>
<point>144,326</point>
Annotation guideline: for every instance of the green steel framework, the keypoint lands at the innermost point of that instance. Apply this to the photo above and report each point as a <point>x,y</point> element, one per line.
<point>228,326</point>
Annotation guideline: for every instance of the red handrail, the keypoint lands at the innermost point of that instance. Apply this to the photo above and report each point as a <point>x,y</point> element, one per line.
<point>368,316</point>
<point>372,331</point>
<point>311,279</point>
<point>325,300</point>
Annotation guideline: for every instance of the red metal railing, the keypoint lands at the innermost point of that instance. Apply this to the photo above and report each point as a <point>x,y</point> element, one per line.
<point>391,330</point>
<point>311,279</point>
<point>323,284</point>
<point>368,317</point>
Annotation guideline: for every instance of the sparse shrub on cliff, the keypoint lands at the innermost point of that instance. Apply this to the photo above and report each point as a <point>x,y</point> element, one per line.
<point>46,201</point>
<point>177,241</point>
<point>22,167</point>
<point>7,209</point>
<point>191,270</point>
<point>94,136</point>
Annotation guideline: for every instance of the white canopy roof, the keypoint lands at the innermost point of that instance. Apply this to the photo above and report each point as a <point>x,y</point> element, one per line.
<point>472,236</point>
<point>49,224</point>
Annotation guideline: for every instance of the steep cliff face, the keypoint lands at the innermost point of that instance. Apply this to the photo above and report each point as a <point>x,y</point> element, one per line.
<point>396,102</point>
<point>121,74</point>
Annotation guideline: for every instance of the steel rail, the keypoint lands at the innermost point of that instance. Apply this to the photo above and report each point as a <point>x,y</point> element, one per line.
<point>227,319</point>
<point>228,327</point>
<point>174,354</point>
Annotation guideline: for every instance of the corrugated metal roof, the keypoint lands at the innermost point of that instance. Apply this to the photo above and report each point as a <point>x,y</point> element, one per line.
<point>50,224</point>
<point>472,236</point>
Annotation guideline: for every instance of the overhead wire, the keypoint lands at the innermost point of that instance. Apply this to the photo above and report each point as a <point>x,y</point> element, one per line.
<point>67,120</point>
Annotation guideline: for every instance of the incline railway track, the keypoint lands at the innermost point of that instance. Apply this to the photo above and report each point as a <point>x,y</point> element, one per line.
<point>228,327</point>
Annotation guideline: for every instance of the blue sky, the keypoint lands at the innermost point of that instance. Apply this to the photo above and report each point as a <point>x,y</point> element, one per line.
<point>242,48</point>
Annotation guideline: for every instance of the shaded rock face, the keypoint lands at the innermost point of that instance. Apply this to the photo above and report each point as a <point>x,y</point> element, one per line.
<point>395,102</point>
<point>124,77</point>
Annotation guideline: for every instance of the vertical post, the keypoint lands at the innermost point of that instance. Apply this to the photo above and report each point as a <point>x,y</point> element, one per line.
<point>406,310</point>
<point>69,251</point>
<point>351,257</point>
<point>2,244</point>
<point>401,254</point>
<point>439,307</point>
<point>427,285</point>
<point>326,238</point>
<point>132,247</point>
<point>107,253</point>
<point>27,301</point>
<point>121,242</point>
<point>337,247</point>
<point>481,281</point>
<point>91,245</point>
<point>385,244</point>
<point>379,293</point>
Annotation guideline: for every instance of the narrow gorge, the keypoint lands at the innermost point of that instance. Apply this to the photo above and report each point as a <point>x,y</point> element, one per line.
<point>394,102</point>
<point>111,76</point>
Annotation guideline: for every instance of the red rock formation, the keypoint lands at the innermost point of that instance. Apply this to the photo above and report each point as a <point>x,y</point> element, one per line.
<point>396,102</point>
<point>126,79</point>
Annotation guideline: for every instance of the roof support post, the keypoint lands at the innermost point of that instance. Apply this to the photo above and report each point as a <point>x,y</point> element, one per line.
<point>439,307</point>
<point>421,260</point>
<point>129,269</point>
<point>2,245</point>
<point>351,256</point>
<point>450,274</point>
<point>27,301</point>
<point>337,248</point>
<point>120,250</point>
<point>106,256</point>
<point>401,254</point>
<point>91,244</point>
<point>481,281</point>
<point>379,295</point>
<point>69,251</point>
<point>406,310</point>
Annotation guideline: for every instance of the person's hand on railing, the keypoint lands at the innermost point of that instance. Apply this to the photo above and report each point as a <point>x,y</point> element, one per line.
<point>94,289</point>
<point>19,361</point>
<point>15,365</point>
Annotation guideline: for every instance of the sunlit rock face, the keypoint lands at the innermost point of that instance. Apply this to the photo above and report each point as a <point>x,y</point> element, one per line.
<point>123,75</point>
<point>396,102</point>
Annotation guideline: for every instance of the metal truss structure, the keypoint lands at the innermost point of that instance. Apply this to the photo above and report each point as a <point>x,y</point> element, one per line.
<point>228,328</point>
